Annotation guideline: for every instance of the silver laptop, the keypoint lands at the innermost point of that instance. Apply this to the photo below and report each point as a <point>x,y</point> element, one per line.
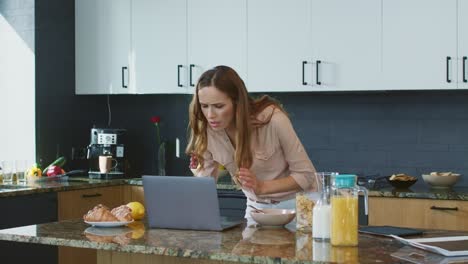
<point>184,202</point>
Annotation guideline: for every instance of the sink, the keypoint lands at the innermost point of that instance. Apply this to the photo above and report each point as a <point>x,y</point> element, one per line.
<point>13,188</point>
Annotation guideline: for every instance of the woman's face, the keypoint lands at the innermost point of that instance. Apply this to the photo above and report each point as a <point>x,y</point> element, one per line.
<point>217,107</point>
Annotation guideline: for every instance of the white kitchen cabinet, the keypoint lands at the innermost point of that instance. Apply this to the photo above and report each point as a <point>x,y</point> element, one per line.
<point>216,36</point>
<point>174,42</point>
<point>419,44</point>
<point>159,32</point>
<point>346,44</point>
<point>279,45</point>
<point>463,44</point>
<point>102,46</point>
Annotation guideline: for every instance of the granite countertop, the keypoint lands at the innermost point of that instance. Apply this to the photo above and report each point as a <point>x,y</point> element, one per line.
<point>422,192</point>
<point>239,244</point>
<point>75,183</point>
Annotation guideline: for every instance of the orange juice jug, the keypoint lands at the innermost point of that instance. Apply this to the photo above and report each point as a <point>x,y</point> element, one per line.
<point>344,210</point>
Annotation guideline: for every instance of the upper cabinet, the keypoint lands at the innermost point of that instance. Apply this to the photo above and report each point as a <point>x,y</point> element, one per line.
<point>346,44</point>
<point>313,45</point>
<point>216,36</point>
<point>462,44</point>
<point>102,47</point>
<point>420,44</point>
<point>159,33</point>
<point>279,45</point>
<point>175,41</point>
<point>163,46</point>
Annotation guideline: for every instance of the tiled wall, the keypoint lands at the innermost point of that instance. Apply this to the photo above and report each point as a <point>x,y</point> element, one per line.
<point>387,132</point>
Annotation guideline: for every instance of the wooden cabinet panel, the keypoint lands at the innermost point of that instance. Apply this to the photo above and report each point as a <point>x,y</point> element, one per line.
<point>134,194</point>
<point>74,204</point>
<point>419,213</point>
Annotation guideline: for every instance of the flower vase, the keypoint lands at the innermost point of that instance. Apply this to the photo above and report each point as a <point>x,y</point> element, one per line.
<point>161,168</point>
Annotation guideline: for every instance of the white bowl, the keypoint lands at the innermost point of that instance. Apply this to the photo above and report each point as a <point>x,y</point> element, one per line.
<point>274,217</point>
<point>441,181</point>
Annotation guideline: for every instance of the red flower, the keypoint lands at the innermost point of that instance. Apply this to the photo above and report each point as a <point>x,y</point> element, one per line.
<point>155,119</point>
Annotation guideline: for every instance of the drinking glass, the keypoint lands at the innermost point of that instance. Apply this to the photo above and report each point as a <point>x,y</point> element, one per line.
<point>7,167</point>
<point>21,167</point>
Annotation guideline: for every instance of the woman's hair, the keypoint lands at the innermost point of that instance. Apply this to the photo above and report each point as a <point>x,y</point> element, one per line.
<point>246,110</point>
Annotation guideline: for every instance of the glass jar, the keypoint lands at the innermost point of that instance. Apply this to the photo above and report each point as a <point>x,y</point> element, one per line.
<point>305,202</point>
<point>344,210</point>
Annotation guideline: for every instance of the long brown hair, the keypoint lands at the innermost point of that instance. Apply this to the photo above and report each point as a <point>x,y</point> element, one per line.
<point>246,110</point>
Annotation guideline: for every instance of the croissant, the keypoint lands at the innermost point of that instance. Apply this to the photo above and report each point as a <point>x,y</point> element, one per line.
<point>123,213</point>
<point>100,213</point>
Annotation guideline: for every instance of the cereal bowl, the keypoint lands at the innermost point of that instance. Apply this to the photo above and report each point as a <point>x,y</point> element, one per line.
<point>437,181</point>
<point>273,217</point>
<point>401,184</point>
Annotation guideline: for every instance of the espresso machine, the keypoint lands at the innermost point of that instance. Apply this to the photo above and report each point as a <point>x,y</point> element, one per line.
<point>107,142</point>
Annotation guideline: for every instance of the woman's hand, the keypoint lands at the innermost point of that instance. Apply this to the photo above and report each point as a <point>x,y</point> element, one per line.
<point>193,162</point>
<point>248,179</point>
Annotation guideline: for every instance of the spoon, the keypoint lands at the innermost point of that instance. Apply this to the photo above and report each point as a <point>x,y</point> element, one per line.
<point>256,209</point>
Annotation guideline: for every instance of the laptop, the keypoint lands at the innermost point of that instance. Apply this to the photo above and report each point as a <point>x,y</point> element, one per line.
<point>184,202</point>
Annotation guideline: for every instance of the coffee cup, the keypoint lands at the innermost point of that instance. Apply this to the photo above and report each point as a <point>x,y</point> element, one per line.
<point>105,164</point>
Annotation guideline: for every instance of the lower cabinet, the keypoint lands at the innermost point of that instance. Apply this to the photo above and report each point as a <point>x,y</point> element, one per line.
<point>27,210</point>
<point>74,204</point>
<point>133,194</point>
<point>232,203</point>
<point>419,213</point>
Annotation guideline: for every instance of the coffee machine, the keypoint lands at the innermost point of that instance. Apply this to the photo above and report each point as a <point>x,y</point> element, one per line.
<point>107,142</point>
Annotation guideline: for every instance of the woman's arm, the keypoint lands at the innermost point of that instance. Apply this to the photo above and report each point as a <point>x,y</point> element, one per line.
<point>210,166</point>
<point>249,180</point>
<point>301,170</point>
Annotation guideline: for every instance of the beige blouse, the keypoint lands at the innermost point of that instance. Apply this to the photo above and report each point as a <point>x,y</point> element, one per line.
<point>278,153</point>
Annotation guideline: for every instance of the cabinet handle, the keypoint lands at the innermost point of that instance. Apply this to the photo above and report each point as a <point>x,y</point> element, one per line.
<point>303,73</point>
<point>464,69</point>
<point>444,208</point>
<point>448,66</point>
<point>178,75</point>
<point>317,73</point>
<point>91,195</point>
<point>123,77</point>
<point>191,67</point>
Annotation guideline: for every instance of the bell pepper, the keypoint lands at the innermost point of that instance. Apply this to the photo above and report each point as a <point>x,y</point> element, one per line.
<point>35,171</point>
<point>54,171</point>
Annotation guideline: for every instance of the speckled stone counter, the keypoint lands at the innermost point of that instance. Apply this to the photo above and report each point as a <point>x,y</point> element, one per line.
<point>75,183</point>
<point>240,244</point>
<point>421,192</point>
<point>56,186</point>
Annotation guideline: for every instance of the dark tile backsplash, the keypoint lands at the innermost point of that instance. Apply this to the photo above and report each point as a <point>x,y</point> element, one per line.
<point>382,132</point>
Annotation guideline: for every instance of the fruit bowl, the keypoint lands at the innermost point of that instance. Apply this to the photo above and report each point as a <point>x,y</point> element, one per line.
<point>273,217</point>
<point>438,181</point>
<point>398,184</point>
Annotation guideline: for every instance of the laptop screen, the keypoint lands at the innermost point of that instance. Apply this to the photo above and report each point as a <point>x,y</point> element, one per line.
<point>182,202</point>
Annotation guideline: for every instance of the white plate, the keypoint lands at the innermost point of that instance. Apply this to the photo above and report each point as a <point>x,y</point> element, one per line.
<point>108,224</point>
<point>115,231</point>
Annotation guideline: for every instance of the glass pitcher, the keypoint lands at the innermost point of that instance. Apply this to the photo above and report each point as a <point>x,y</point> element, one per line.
<point>344,209</point>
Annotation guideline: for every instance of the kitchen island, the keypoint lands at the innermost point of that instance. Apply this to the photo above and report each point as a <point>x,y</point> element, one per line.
<point>139,244</point>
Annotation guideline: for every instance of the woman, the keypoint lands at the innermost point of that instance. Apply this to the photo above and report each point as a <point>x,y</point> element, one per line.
<point>253,139</point>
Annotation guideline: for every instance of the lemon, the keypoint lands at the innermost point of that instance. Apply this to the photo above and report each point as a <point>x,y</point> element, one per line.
<point>138,229</point>
<point>138,210</point>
